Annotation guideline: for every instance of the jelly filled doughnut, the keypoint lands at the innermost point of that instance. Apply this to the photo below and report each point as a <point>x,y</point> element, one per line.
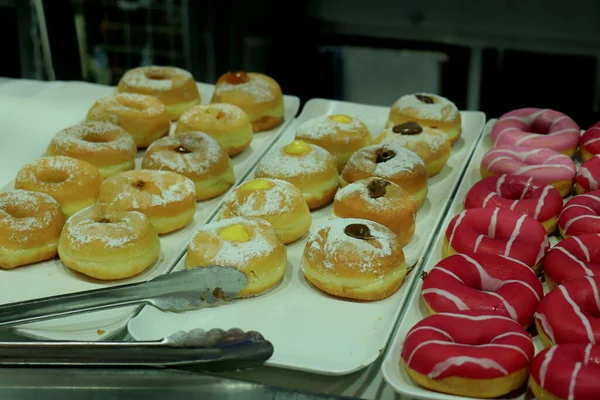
<point>427,110</point>
<point>569,313</point>
<point>105,243</point>
<point>30,225</point>
<point>573,258</point>
<point>566,372</point>
<point>106,146</point>
<point>537,128</point>
<point>588,175</point>
<point>590,142</point>
<point>497,231</point>
<point>392,162</point>
<point>468,353</point>
<point>258,95</point>
<point>74,183</point>
<point>546,165</point>
<point>580,215</point>
<point>354,259</point>
<point>248,244</point>
<point>519,193</point>
<point>483,282</point>
<point>306,166</point>
<point>174,87</point>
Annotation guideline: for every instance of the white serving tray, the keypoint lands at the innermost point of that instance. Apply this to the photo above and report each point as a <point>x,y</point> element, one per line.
<point>310,330</point>
<point>57,108</point>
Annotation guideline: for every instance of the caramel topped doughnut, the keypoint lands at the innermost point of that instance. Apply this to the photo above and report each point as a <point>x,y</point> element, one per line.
<point>108,147</point>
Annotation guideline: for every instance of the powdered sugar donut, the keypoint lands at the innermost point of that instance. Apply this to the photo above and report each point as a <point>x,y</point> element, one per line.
<point>537,128</point>
<point>590,142</point>
<point>469,353</point>
<point>519,193</point>
<point>483,282</point>
<point>588,176</point>
<point>573,258</point>
<point>546,165</point>
<point>580,215</point>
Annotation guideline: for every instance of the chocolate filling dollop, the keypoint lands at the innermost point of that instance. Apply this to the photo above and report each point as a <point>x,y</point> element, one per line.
<point>359,231</point>
<point>182,150</point>
<point>377,188</point>
<point>424,99</point>
<point>384,155</point>
<point>408,128</point>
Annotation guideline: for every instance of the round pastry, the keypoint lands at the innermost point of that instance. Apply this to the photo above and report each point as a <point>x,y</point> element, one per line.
<point>484,282</point>
<point>105,243</point>
<point>546,165</point>
<point>537,128</point>
<point>104,145</point>
<point>589,143</point>
<point>30,225</point>
<point>340,135</point>
<point>73,183</point>
<point>392,162</point>
<point>143,117</point>
<point>566,372</point>
<point>588,175</point>
<point>432,145</point>
<point>381,201</point>
<point>306,166</point>
<point>196,156</point>
<point>278,202</point>
<point>497,231</point>
<point>580,215</point>
<point>427,110</point>
<point>354,259</point>
<point>468,353</point>
<point>174,87</point>
<point>166,198</point>
<point>228,124</point>
<point>519,193</point>
<point>569,313</point>
<point>248,244</point>
<point>573,258</point>
<point>257,94</point>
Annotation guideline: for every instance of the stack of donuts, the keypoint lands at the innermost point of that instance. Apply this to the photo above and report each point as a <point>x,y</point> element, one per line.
<point>485,298</point>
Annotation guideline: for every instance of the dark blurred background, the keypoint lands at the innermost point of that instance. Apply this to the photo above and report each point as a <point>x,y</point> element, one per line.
<point>489,55</point>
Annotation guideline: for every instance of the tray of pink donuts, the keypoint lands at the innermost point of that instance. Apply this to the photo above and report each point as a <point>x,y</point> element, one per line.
<point>508,304</point>
<point>116,198</point>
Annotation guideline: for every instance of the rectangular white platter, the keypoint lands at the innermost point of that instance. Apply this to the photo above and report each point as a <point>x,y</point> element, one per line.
<point>31,128</point>
<point>310,330</point>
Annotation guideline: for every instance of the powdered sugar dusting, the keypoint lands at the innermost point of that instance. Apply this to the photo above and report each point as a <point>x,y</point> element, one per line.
<point>117,138</point>
<point>434,140</point>
<point>276,200</point>
<point>148,77</point>
<point>283,165</point>
<point>257,87</point>
<point>320,127</point>
<point>441,110</point>
<point>361,188</point>
<point>145,105</point>
<point>76,171</point>
<point>201,113</point>
<point>404,160</point>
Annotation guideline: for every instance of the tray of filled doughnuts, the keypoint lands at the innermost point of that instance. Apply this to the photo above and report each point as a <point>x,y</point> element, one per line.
<point>507,303</point>
<point>113,183</point>
<point>328,227</point>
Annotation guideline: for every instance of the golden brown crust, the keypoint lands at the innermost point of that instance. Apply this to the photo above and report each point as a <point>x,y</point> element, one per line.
<point>266,123</point>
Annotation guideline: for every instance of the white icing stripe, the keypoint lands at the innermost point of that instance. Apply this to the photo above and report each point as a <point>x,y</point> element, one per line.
<point>476,317</point>
<point>502,132</point>
<point>576,205</point>
<point>521,155</point>
<point>537,135</point>
<point>477,243</point>
<point>514,204</point>
<point>527,285</point>
<point>530,167</point>
<point>573,380</point>
<point>554,156</point>
<point>544,366</point>
<point>510,309</point>
<point>545,326</point>
<point>543,248</point>
<point>572,257</point>
<point>447,295</point>
<point>499,185</point>
<point>502,335</point>
<point>589,196</point>
<point>527,185</point>
<point>429,328</point>
<point>493,221</point>
<point>484,363</point>
<point>452,274</point>
<point>540,203</point>
<point>583,171</point>
<point>573,220</point>
<point>595,291</point>
<point>588,350</point>
<point>458,221</point>
<point>490,165</point>
<point>584,248</point>
<point>577,310</point>
<point>558,120</point>
<point>487,198</point>
<point>592,140</point>
<point>488,283</point>
<point>515,233</point>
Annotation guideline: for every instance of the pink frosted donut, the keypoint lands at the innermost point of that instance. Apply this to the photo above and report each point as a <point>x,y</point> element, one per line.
<point>573,258</point>
<point>590,142</point>
<point>588,176</point>
<point>537,128</point>
<point>580,215</point>
<point>546,165</point>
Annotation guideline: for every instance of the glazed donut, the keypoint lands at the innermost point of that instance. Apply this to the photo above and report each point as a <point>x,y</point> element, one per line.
<point>468,353</point>
<point>30,225</point>
<point>104,145</point>
<point>73,183</point>
<point>546,165</point>
<point>427,110</point>
<point>519,193</point>
<point>166,198</point>
<point>483,282</point>
<point>174,87</point>
<point>580,215</point>
<point>497,231</point>
<point>196,156</point>
<point>248,244</point>
<point>566,372</point>
<point>278,202</point>
<point>354,259</point>
<point>392,162</point>
<point>573,258</point>
<point>143,117</point>
<point>588,175</point>
<point>432,145</point>
<point>228,124</point>
<point>306,166</point>
<point>341,135</point>
<point>589,144</point>
<point>258,95</point>
<point>381,201</point>
<point>569,313</point>
<point>105,243</point>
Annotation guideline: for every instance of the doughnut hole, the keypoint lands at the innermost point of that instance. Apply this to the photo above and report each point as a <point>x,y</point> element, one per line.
<point>20,212</point>
<point>103,138</point>
<point>53,176</point>
<point>156,75</point>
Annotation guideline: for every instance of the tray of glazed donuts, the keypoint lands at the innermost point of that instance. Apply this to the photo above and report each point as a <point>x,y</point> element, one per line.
<point>327,228</point>
<point>120,188</point>
<point>507,304</point>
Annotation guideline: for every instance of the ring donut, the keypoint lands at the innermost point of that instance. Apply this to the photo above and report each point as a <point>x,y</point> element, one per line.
<point>590,142</point>
<point>580,215</point>
<point>588,176</point>
<point>573,258</point>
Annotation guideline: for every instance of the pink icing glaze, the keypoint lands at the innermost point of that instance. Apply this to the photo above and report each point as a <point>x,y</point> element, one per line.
<point>537,128</point>
<point>590,140</point>
<point>573,258</point>
<point>588,174</point>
